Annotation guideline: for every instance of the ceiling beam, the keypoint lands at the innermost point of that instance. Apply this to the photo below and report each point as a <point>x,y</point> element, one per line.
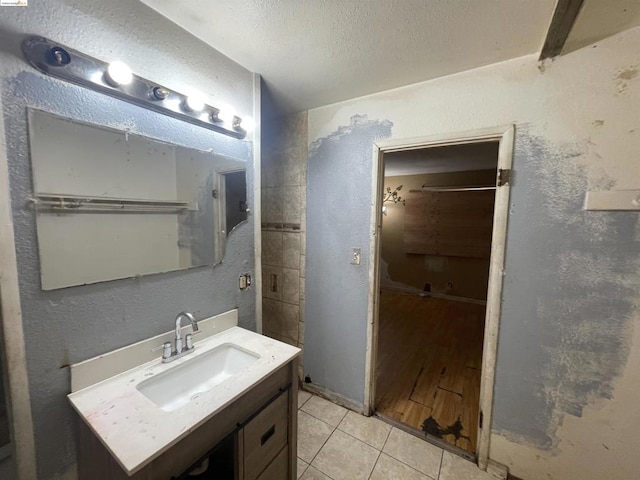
<point>564,17</point>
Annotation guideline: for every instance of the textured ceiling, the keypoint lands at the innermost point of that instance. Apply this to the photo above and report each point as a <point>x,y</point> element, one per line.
<point>599,19</point>
<point>313,53</point>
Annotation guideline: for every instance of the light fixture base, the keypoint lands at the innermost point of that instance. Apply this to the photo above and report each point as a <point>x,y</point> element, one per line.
<point>66,64</point>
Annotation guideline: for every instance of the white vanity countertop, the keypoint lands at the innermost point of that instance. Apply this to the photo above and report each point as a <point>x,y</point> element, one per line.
<point>136,431</point>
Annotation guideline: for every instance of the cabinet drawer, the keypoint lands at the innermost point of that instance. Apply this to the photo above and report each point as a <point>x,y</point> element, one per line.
<point>279,468</point>
<point>265,435</point>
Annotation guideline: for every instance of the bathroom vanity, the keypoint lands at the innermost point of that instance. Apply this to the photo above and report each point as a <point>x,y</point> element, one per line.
<point>227,410</point>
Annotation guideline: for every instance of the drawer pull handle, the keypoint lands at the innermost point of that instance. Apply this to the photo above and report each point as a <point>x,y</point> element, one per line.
<point>267,435</point>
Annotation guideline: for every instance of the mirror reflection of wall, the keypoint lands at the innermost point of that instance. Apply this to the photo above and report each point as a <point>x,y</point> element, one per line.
<point>235,190</point>
<point>113,205</point>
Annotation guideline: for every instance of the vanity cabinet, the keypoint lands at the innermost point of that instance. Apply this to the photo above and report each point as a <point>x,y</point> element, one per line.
<point>258,430</point>
<point>264,438</point>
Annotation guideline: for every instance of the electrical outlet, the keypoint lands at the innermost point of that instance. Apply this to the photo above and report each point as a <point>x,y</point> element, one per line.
<point>355,256</point>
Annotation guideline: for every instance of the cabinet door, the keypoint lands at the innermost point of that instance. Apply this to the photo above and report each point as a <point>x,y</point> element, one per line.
<point>265,436</point>
<point>277,470</point>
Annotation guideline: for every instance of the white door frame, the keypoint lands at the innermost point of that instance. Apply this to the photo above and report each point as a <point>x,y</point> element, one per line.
<point>505,136</point>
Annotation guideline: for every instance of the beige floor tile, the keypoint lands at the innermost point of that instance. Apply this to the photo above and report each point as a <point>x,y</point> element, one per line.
<point>412,451</point>
<point>457,468</point>
<point>303,397</point>
<point>314,474</point>
<point>302,466</point>
<point>312,433</point>
<point>370,430</point>
<point>324,410</point>
<point>346,458</point>
<point>388,468</point>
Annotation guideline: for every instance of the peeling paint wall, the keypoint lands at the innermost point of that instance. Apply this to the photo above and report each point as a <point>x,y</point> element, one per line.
<point>569,332</point>
<point>338,209</point>
<point>70,325</point>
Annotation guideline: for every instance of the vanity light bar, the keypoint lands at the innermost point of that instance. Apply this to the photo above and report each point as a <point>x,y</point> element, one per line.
<point>117,80</point>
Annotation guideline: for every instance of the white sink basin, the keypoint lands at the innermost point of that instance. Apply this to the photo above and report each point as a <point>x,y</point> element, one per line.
<point>186,381</point>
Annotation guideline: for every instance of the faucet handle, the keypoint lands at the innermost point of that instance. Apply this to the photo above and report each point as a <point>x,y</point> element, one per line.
<point>166,350</point>
<point>188,339</point>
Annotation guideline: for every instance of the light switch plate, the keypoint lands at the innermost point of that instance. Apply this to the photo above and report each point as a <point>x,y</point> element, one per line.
<point>244,281</point>
<point>355,256</point>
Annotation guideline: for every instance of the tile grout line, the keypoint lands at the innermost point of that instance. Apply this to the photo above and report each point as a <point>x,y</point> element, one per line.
<point>387,439</point>
<point>304,403</point>
<point>337,428</point>
<point>374,465</point>
<point>316,468</point>
<point>407,465</point>
<point>429,477</point>
<point>379,453</point>
<point>334,429</point>
<point>355,438</point>
<point>297,457</point>
<point>305,468</point>
<point>440,467</point>
<point>363,441</point>
<point>324,421</point>
<point>323,444</point>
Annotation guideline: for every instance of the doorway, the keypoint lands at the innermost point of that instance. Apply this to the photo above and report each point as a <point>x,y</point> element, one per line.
<point>435,292</point>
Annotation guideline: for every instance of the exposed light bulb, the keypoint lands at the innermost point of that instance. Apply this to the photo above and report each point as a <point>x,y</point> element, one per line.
<point>118,73</point>
<point>194,103</point>
<point>248,124</point>
<point>226,114</point>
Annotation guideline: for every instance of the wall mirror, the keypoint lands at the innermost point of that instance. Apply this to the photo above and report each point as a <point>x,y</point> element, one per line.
<point>110,204</point>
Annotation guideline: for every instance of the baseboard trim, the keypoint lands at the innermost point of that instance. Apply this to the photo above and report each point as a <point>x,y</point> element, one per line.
<point>334,397</point>
<point>498,470</point>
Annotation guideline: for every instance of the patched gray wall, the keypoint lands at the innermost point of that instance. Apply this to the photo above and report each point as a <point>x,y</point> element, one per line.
<point>569,292</point>
<point>65,326</point>
<point>338,219</point>
<point>572,277</point>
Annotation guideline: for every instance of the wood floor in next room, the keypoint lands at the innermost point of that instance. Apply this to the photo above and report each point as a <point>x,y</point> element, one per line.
<point>428,365</point>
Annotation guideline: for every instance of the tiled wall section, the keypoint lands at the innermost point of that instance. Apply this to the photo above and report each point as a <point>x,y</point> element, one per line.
<point>284,176</point>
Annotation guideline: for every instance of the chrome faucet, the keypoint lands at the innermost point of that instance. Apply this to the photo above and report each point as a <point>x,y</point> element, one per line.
<point>180,350</point>
<point>194,326</point>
